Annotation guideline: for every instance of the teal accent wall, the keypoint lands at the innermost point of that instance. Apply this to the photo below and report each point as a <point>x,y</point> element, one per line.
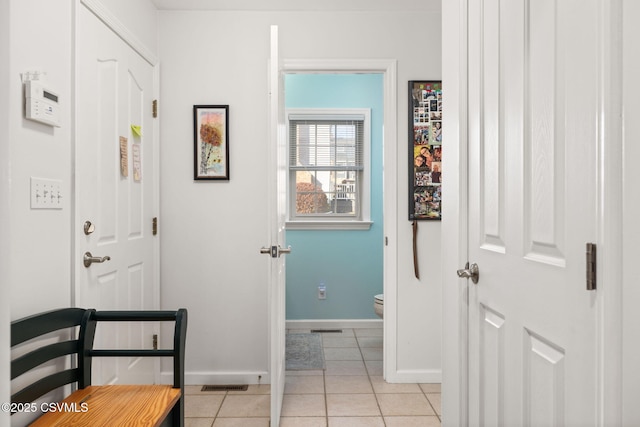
<point>348,262</point>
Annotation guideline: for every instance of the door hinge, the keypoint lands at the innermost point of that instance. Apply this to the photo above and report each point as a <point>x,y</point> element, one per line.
<point>591,266</point>
<point>154,225</point>
<point>154,108</point>
<point>155,341</point>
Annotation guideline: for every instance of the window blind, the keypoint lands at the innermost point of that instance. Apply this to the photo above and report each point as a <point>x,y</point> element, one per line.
<point>326,144</point>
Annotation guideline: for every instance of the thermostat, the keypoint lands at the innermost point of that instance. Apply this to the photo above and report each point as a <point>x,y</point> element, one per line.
<point>41,104</point>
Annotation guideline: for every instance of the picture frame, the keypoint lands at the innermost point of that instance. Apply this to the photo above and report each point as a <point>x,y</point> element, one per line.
<point>425,149</point>
<point>211,142</point>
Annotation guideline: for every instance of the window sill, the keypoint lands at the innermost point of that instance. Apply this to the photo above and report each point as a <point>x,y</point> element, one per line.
<point>328,225</point>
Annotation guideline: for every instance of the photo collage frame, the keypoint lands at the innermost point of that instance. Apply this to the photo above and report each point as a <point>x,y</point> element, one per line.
<point>425,150</point>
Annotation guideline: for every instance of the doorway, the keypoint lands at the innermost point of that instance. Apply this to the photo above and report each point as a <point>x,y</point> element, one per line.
<point>336,270</point>
<point>388,69</point>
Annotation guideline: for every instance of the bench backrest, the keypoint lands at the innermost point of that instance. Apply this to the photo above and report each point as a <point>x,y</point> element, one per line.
<point>81,346</point>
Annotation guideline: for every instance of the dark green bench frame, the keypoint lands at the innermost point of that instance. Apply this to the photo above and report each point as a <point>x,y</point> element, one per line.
<point>31,327</point>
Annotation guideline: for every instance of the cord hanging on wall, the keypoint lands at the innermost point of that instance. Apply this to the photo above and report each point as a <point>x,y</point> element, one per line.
<point>414,225</point>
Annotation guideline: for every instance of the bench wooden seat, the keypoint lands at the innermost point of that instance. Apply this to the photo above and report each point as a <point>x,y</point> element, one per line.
<point>97,405</point>
<point>114,405</point>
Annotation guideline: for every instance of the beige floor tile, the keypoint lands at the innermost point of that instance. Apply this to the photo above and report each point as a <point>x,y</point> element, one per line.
<point>202,406</point>
<point>431,387</point>
<point>356,422</point>
<point>303,405</point>
<point>425,421</point>
<point>352,405</point>
<point>197,389</point>
<point>329,341</point>
<point>347,384</point>
<point>374,367</point>
<point>368,332</point>
<point>345,367</point>
<point>254,389</point>
<point>436,402</point>
<point>381,386</point>
<point>346,332</point>
<point>253,405</point>
<point>372,353</point>
<point>367,341</point>
<point>404,404</point>
<point>242,422</point>
<point>305,372</point>
<point>304,384</point>
<point>198,422</point>
<point>303,422</point>
<point>345,353</point>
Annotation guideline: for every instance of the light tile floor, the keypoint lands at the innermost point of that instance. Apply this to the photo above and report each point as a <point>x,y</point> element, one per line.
<point>350,392</point>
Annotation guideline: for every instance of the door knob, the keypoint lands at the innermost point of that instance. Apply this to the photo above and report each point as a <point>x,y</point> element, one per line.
<point>89,259</point>
<point>470,272</point>
<point>275,251</point>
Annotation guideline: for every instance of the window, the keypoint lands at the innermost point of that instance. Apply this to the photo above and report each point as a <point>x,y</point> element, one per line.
<point>329,168</point>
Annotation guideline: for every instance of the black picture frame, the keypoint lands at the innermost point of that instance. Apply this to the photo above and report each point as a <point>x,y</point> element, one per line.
<point>425,149</point>
<point>211,142</point>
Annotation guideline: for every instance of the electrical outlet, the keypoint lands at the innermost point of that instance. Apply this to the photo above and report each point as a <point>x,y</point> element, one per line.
<point>322,292</point>
<point>46,193</point>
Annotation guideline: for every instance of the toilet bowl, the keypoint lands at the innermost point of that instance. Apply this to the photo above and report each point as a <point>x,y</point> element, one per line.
<point>378,305</point>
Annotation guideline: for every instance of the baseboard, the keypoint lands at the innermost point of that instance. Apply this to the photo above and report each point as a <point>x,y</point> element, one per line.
<point>216,378</point>
<point>423,376</point>
<point>334,324</point>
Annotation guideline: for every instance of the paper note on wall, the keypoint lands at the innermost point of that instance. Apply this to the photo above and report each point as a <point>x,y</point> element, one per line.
<point>124,156</point>
<point>137,165</point>
<point>137,130</point>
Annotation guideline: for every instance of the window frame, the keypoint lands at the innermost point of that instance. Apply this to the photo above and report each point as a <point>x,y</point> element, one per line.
<point>363,191</point>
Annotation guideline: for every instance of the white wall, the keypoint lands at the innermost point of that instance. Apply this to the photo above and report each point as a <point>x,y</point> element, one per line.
<point>5,165</point>
<point>35,250</point>
<point>212,231</point>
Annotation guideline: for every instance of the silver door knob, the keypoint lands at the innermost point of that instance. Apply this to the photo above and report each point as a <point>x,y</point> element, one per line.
<point>470,272</point>
<point>89,259</point>
<point>275,251</point>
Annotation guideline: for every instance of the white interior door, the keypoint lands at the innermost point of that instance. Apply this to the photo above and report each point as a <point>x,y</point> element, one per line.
<point>533,134</point>
<point>630,331</point>
<point>116,195</point>
<point>277,178</point>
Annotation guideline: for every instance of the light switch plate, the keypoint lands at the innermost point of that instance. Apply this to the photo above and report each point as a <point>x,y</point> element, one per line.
<point>46,193</point>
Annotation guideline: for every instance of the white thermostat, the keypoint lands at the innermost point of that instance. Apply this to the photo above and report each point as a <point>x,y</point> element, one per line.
<point>41,104</point>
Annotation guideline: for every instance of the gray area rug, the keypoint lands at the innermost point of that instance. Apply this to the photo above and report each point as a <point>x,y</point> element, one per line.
<point>304,352</point>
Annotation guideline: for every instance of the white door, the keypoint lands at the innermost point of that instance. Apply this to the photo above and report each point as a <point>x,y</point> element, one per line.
<point>533,134</point>
<point>277,178</point>
<point>630,331</point>
<point>116,195</point>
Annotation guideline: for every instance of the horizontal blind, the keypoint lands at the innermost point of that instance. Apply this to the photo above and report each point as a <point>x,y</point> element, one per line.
<point>326,144</point>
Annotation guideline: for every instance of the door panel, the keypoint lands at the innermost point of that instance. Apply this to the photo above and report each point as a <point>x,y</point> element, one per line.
<point>277,213</point>
<point>115,92</point>
<point>532,180</point>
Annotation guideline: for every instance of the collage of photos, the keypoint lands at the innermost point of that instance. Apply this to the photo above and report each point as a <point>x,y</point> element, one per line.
<point>425,132</point>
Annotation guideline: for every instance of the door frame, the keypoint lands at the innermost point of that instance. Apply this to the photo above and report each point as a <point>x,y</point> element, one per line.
<point>608,217</point>
<point>388,68</point>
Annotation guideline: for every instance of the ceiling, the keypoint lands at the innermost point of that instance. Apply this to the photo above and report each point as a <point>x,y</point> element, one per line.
<point>301,5</point>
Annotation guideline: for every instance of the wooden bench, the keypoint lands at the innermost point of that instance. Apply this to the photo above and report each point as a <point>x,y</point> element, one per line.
<point>95,405</point>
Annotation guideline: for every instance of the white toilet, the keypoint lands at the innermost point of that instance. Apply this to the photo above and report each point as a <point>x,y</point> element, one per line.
<point>378,305</point>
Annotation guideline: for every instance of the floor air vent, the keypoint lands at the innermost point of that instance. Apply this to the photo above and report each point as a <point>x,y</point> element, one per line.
<point>241,387</point>
<point>325,331</point>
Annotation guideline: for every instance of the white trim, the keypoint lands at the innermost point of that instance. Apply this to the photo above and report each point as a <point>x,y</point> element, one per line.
<point>610,212</point>
<point>455,216</point>
<point>335,324</point>
<point>388,67</point>
<point>111,21</point>
<point>213,377</point>
<point>422,376</point>
<point>328,225</point>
